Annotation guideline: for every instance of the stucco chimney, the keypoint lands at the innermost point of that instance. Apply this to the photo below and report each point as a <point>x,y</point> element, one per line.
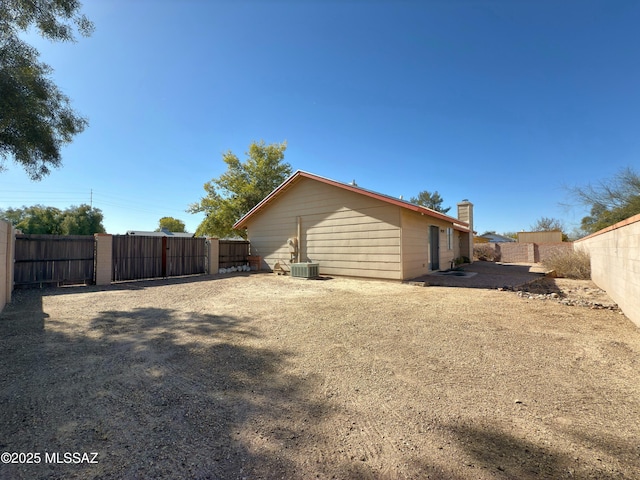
<point>465,214</point>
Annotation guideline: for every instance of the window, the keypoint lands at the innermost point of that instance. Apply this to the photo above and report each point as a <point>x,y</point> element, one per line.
<point>450,238</point>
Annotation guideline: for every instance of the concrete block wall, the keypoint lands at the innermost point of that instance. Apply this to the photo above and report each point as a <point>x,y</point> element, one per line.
<point>547,250</point>
<point>104,258</point>
<point>513,252</point>
<point>213,255</point>
<point>615,263</point>
<point>7,247</point>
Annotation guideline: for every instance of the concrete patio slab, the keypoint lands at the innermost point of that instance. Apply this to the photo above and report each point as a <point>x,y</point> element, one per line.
<point>487,275</point>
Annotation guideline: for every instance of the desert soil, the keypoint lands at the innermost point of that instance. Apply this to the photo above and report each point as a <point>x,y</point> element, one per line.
<point>263,376</point>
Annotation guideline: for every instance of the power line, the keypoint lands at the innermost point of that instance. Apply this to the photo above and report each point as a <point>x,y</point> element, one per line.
<point>96,199</point>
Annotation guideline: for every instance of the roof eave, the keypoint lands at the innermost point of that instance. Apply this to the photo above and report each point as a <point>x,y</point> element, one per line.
<point>385,198</point>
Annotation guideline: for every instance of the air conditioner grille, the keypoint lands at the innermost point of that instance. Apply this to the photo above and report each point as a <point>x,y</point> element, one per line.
<point>305,270</point>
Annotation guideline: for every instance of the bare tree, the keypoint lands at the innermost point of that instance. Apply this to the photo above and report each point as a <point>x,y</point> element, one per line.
<point>547,224</point>
<point>610,200</point>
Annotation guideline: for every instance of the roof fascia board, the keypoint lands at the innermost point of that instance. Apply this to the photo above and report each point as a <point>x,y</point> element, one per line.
<point>352,188</point>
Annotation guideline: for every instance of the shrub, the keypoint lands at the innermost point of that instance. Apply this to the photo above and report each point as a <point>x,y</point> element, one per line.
<point>461,260</point>
<point>576,264</point>
<point>484,252</point>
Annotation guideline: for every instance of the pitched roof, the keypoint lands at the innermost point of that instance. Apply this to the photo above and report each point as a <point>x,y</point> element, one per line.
<point>458,224</point>
<point>163,233</point>
<point>497,238</point>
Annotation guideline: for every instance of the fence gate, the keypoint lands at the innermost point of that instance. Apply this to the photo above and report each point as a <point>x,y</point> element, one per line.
<point>185,256</point>
<point>135,258</point>
<point>140,257</point>
<point>54,259</point>
<point>233,253</point>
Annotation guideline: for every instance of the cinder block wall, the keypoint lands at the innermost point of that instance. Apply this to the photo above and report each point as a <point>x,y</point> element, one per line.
<point>615,263</point>
<point>7,243</point>
<point>104,255</point>
<point>213,254</point>
<point>513,252</point>
<point>546,250</point>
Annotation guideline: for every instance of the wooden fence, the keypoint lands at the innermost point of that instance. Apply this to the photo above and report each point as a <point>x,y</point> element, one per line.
<point>139,257</point>
<point>185,256</point>
<point>233,253</point>
<point>53,259</point>
<point>58,260</point>
<point>135,258</point>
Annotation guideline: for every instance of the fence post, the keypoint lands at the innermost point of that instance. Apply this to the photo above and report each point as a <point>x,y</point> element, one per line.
<point>7,256</point>
<point>11,258</point>
<point>213,254</point>
<point>104,254</point>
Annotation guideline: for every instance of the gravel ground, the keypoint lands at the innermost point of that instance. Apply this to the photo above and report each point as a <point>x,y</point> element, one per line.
<point>264,376</point>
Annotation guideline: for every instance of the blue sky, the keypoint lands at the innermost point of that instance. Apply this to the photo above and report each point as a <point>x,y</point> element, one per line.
<point>505,103</point>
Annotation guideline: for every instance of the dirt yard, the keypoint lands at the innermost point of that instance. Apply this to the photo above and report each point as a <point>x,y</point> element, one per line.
<point>262,376</point>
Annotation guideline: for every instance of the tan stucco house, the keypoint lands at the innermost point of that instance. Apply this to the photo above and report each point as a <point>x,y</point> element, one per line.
<point>351,231</point>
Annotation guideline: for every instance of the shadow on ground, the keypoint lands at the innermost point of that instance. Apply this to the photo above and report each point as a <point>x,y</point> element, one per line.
<point>156,393</point>
<point>507,456</point>
<point>51,289</point>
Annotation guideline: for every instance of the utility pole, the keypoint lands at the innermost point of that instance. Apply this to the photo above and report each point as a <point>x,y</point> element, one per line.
<point>91,200</point>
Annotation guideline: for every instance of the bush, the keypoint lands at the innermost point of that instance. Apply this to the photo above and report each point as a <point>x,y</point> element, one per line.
<point>576,264</point>
<point>484,252</point>
<point>461,260</point>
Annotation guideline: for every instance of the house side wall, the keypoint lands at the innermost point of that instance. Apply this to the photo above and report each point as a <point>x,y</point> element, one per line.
<point>446,253</point>
<point>615,263</point>
<point>346,233</point>
<point>416,250</point>
<point>415,245</point>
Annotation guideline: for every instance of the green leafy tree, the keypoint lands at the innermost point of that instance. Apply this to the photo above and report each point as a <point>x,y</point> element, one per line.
<point>241,188</point>
<point>36,119</point>
<point>81,220</point>
<point>12,215</point>
<point>610,201</point>
<point>38,219</point>
<point>171,224</point>
<point>430,200</point>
